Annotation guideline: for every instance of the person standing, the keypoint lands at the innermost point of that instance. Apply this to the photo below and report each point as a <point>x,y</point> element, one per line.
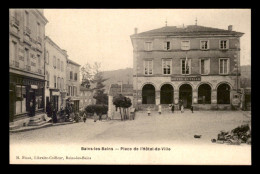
<point>84,117</point>
<point>54,116</point>
<point>191,108</point>
<point>182,108</point>
<point>173,108</point>
<point>149,111</point>
<point>160,109</point>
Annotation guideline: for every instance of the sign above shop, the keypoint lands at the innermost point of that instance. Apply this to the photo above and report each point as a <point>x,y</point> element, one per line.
<point>55,93</point>
<point>34,87</point>
<point>190,78</point>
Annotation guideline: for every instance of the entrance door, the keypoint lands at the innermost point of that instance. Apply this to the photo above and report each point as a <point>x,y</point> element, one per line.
<point>55,100</point>
<point>185,94</point>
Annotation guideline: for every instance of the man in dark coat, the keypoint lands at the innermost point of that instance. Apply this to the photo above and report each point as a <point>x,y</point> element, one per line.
<point>172,108</point>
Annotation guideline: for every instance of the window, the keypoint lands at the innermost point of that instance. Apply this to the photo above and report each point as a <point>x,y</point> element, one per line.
<point>204,44</point>
<point>55,82</point>
<point>61,66</point>
<point>167,45</point>
<point>58,64</point>
<point>68,91</point>
<point>223,66</point>
<point>185,45</point>
<point>20,99</point>
<point>223,44</point>
<point>14,50</point>
<point>148,67</point>
<point>71,75</point>
<point>62,83</point>
<point>185,66</point>
<point>204,66</point>
<point>26,19</point>
<point>27,56</point>
<point>54,62</point>
<point>38,29</point>
<point>39,60</point>
<point>166,66</point>
<point>47,57</point>
<point>48,78</point>
<point>75,77</point>
<point>58,83</point>
<point>75,91</point>
<point>148,46</point>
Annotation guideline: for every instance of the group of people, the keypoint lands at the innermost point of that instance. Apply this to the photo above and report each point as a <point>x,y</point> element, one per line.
<point>171,107</point>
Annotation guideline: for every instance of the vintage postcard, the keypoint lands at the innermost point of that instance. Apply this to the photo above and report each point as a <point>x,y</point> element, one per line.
<point>130,86</point>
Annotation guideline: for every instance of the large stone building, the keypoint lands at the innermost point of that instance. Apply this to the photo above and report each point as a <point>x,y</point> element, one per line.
<point>73,83</point>
<point>26,63</point>
<point>194,64</point>
<point>56,74</point>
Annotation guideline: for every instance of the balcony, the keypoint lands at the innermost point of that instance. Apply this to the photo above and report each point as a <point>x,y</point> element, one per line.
<point>39,71</point>
<point>16,64</point>
<point>28,68</point>
<point>27,31</point>
<point>39,39</point>
<point>15,22</point>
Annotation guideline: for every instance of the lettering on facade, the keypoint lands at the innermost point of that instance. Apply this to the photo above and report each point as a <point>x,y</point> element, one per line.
<point>185,78</point>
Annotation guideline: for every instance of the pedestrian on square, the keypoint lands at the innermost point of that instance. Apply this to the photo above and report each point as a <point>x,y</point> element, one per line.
<point>173,108</point>
<point>182,108</point>
<point>84,117</point>
<point>191,108</point>
<point>149,111</point>
<point>160,109</point>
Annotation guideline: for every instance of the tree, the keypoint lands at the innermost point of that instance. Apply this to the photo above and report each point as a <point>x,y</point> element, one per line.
<point>100,96</point>
<point>87,75</point>
<point>121,101</point>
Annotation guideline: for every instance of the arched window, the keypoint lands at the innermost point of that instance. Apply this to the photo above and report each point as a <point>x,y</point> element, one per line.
<point>223,94</point>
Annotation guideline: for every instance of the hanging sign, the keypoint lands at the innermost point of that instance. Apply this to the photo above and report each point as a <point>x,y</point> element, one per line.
<point>34,87</point>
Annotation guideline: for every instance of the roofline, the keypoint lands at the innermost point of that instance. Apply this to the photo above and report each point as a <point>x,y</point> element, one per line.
<point>72,62</point>
<point>47,38</point>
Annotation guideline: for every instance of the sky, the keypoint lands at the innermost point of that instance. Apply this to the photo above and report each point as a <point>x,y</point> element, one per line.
<point>103,35</point>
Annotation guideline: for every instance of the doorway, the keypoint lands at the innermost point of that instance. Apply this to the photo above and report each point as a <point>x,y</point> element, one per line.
<point>166,94</point>
<point>185,95</point>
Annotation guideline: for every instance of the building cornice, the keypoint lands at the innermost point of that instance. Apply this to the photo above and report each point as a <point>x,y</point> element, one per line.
<point>48,39</point>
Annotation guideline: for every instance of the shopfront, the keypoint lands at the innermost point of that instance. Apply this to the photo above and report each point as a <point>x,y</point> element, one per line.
<point>25,96</point>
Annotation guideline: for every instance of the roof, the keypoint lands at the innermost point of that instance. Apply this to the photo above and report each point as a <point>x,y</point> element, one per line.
<point>127,89</point>
<point>187,31</point>
<point>72,62</point>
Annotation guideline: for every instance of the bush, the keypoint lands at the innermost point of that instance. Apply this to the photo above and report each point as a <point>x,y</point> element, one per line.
<point>98,109</point>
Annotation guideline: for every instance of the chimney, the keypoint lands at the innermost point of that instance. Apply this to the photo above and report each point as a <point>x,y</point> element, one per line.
<point>136,29</point>
<point>230,28</point>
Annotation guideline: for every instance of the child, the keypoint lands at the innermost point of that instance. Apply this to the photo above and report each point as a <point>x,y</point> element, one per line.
<point>149,111</point>
<point>160,109</point>
<point>182,108</point>
<point>84,117</point>
<point>191,108</point>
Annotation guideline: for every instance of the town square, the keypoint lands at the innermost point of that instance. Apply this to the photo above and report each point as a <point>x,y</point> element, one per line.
<point>104,86</point>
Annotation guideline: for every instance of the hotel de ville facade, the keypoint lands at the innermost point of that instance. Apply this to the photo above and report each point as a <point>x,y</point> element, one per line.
<point>197,65</point>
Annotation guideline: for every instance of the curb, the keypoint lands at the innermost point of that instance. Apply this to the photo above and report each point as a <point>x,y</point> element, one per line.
<point>39,127</point>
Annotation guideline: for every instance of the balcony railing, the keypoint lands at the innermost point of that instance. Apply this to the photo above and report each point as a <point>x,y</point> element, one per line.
<point>16,64</point>
<point>28,68</point>
<point>15,21</point>
<point>39,71</point>
<point>27,30</point>
<point>39,39</point>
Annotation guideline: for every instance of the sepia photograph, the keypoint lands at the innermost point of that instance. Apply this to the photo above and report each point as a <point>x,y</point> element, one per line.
<point>130,86</point>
